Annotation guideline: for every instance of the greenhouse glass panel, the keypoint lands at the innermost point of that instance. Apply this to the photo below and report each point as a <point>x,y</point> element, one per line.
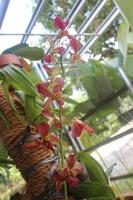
<point>15,22</point>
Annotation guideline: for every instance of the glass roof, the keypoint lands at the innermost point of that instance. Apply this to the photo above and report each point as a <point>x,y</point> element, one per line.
<point>17,16</point>
<point>26,15</point>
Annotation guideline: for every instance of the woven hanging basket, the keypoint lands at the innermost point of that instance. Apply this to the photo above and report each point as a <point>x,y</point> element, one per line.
<point>26,160</point>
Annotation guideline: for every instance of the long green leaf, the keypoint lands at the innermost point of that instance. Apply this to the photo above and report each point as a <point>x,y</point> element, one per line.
<point>95,86</point>
<point>18,79</point>
<point>83,107</point>
<point>24,50</point>
<point>14,48</point>
<point>93,168</point>
<point>32,53</point>
<point>69,100</point>
<point>87,68</point>
<point>104,90</point>
<point>92,190</point>
<point>33,76</point>
<point>32,109</point>
<point>113,74</point>
<point>89,85</point>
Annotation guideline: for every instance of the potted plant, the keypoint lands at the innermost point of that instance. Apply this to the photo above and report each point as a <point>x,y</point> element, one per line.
<point>32,126</point>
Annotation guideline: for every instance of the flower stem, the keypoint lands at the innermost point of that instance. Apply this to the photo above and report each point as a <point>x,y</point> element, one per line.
<point>65,191</point>
<point>62,67</point>
<point>60,141</point>
<point>61,151</point>
<point>61,131</point>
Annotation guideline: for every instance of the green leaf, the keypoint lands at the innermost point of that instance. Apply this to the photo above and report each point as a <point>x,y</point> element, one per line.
<point>113,74</point>
<point>122,39</point>
<point>33,76</point>
<point>95,86</point>
<point>83,107</point>
<point>69,100</point>
<point>126,8</point>
<point>89,85</point>
<point>93,168</point>
<point>104,90</point>
<point>14,48</point>
<point>24,50</point>
<point>32,109</point>
<point>92,190</point>
<point>87,68</point>
<point>18,79</point>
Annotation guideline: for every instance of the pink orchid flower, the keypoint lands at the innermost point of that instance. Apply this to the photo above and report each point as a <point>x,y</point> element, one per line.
<point>43,128</point>
<point>74,44</point>
<point>48,139</point>
<point>61,24</point>
<point>78,126</point>
<point>48,58</point>
<point>69,173</point>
